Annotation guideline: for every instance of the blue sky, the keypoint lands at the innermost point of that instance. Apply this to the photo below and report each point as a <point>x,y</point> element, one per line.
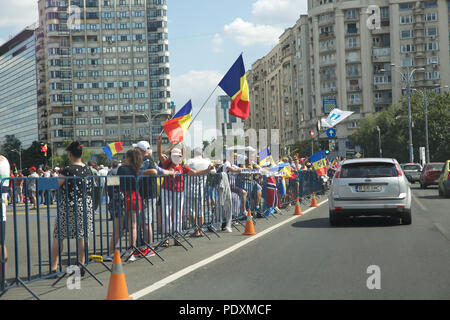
<point>205,38</point>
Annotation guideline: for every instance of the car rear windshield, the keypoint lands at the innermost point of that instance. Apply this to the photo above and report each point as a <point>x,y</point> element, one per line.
<point>411,167</point>
<point>435,167</point>
<point>368,170</point>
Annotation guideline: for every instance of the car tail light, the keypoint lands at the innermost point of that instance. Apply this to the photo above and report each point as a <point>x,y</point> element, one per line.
<point>399,170</point>
<point>338,209</point>
<point>400,207</point>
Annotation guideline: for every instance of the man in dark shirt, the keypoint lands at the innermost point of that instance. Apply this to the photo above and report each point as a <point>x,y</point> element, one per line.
<point>148,190</point>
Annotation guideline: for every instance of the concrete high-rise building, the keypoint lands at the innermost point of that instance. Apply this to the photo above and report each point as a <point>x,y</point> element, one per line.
<point>18,88</point>
<point>103,71</point>
<point>336,53</point>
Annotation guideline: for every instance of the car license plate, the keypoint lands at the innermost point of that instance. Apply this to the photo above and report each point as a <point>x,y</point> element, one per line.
<point>368,188</point>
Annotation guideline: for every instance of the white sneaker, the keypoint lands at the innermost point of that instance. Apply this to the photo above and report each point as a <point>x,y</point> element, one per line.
<point>228,229</point>
<point>132,258</point>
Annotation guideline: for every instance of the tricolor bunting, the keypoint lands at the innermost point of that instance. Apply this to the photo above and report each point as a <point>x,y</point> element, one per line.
<point>235,85</point>
<point>319,163</point>
<point>112,149</point>
<point>177,127</point>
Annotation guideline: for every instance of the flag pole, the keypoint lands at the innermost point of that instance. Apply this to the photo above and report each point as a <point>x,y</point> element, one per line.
<point>193,119</point>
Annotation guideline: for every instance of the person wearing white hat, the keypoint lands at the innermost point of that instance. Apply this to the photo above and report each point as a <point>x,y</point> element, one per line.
<point>149,191</point>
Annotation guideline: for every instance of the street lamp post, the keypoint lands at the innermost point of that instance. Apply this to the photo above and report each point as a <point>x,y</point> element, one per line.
<point>379,141</point>
<point>425,109</point>
<point>408,77</point>
<point>20,156</point>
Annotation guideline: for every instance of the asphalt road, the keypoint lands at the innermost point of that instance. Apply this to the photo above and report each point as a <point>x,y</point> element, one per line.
<point>292,258</point>
<point>308,259</point>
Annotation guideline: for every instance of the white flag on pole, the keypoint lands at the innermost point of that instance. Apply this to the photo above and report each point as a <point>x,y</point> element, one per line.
<point>335,117</point>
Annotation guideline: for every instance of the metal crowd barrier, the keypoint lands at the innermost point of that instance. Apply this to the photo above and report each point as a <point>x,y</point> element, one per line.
<point>131,214</point>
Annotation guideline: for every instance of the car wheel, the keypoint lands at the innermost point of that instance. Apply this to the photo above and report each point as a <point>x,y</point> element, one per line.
<point>334,220</point>
<point>406,217</point>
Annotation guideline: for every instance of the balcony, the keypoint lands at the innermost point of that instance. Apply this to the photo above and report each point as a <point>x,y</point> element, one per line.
<point>382,86</point>
<point>325,35</point>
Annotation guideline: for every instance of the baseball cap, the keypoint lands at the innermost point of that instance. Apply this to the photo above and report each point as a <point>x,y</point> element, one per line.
<point>143,145</point>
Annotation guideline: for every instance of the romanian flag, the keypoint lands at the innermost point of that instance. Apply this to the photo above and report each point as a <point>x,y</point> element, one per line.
<point>235,85</point>
<point>265,156</point>
<point>319,163</point>
<point>113,148</point>
<point>177,127</point>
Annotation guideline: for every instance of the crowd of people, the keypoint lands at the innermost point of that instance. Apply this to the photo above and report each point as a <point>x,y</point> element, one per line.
<point>164,197</point>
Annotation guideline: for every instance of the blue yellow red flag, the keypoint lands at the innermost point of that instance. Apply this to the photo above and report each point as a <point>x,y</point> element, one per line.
<point>265,156</point>
<point>112,149</point>
<point>235,85</point>
<point>177,127</point>
<point>319,163</point>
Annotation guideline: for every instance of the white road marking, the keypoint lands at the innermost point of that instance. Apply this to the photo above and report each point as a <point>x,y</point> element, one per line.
<point>161,283</point>
<point>419,203</point>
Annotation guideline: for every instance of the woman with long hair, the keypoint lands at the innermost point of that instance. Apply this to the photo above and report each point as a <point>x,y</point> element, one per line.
<point>129,172</point>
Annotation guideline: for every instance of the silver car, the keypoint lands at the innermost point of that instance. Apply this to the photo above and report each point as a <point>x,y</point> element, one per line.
<point>370,186</point>
<point>412,171</point>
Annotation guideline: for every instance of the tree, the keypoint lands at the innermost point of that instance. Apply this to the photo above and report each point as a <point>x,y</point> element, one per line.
<point>11,149</point>
<point>393,124</point>
<point>103,159</point>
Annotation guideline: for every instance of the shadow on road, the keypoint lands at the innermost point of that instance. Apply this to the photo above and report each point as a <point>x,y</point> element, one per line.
<point>355,222</point>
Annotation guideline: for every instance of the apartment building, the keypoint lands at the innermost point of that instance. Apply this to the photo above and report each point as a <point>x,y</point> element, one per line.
<point>103,71</point>
<point>18,88</point>
<point>335,53</point>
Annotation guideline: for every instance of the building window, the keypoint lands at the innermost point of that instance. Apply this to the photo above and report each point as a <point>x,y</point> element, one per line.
<point>406,19</point>
<point>405,34</point>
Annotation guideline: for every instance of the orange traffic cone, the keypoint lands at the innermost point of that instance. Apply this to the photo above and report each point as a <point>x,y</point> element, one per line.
<point>298,209</point>
<point>249,228</point>
<point>117,289</point>
<point>314,201</point>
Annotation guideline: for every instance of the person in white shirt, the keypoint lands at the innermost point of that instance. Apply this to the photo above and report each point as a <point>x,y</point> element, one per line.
<point>32,184</point>
<point>4,174</point>
<point>227,167</point>
<point>195,190</point>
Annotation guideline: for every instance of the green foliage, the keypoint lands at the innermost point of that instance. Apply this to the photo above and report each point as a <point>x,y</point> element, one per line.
<point>394,132</point>
<point>11,149</point>
<point>103,159</point>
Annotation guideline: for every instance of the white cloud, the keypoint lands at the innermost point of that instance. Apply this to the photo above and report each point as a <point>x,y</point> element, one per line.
<point>278,12</point>
<point>197,85</point>
<point>18,14</point>
<point>268,22</point>
<point>248,34</point>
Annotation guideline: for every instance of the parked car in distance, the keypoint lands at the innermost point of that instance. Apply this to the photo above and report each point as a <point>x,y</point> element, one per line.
<point>412,171</point>
<point>444,180</point>
<point>370,187</point>
<point>430,174</point>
